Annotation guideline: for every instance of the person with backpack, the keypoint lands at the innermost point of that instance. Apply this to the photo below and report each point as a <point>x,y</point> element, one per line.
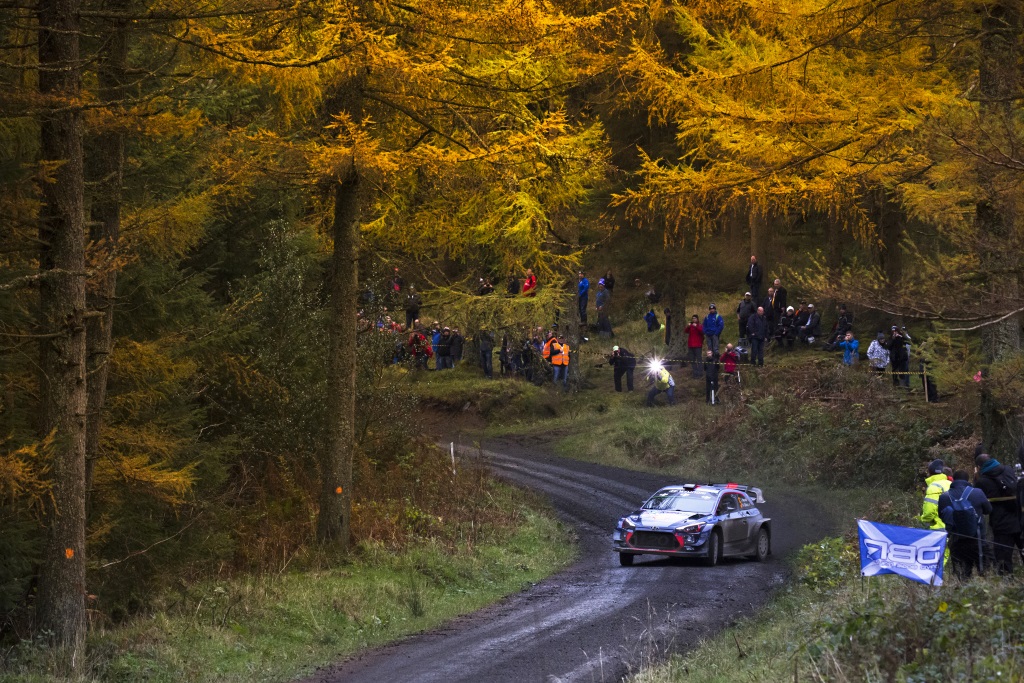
<point>999,483</point>
<point>962,509</point>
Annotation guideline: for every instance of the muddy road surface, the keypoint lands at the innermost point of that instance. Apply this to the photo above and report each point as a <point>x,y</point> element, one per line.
<point>595,621</point>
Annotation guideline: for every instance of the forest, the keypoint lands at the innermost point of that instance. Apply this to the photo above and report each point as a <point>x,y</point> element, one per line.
<point>200,199</point>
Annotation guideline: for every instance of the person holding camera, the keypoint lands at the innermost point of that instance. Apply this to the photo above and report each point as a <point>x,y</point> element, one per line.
<point>899,356</point>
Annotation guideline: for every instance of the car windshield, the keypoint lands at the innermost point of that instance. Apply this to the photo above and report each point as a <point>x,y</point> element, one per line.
<point>683,501</point>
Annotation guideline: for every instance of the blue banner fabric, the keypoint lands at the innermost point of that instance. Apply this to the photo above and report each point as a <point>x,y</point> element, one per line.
<point>914,553</point>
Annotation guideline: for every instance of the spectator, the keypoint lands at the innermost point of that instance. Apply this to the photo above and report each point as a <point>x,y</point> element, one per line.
<point>419,349</point>
<point>757,332</point>
<point>668,326</point>
<point>444,350</point>
<point>802,314</point>
<point>843,324</point>
<point>396,283</point>
<point>485,287</point>
<point>485,341</point>
<point>624,362</point>
<point>530,285</point>
<point>651,318</point>
<point>652,295</point>
<point>435,339</point>
<point>412,306</point>
<point>546,348</point>
<point>604,323</point>
<point>713,326</point>
<point>963,524</point>
<point>936,484</point>
<point>661,380</point>
<point>694,345</point>
<point>812,328</point>
<point>779,299</point>
<point>505,366</point>
<point>512,286</point>
<point>850,347</point>
<point>999,483</point>
<point>457,343</point>
<point>899,356</point>
<point>754,278</point>
<point>729,360</point>
<point>529,358</point>
<point>710,377</point>
<point>787,328</point>
<point>582,294</point>
<point>560,360</point>
<point>609,281</point>
<point>878,355</point>
<point>769,312</point>
<point>744,310</point>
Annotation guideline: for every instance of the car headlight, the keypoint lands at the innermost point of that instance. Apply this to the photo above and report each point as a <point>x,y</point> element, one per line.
<point>627,523</point>
<point>691,529</point>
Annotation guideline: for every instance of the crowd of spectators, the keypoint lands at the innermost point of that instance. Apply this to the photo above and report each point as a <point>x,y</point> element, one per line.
<point>762,322</point>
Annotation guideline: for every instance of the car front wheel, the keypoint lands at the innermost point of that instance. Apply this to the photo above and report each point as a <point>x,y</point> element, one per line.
<point>714,550</point>
<point>763,547</point>
<point>626,559</point>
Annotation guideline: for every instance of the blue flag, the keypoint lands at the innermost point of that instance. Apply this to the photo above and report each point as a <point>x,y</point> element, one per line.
<point>914,553</point>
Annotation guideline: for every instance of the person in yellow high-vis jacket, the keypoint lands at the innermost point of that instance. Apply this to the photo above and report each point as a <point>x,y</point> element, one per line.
<point>937,483</point>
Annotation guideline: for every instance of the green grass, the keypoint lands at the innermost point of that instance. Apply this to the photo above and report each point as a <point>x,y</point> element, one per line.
<point>273,628</point>
<point>831,626</point>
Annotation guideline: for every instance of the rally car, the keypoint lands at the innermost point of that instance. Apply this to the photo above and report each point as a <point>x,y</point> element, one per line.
<point>710,521</point>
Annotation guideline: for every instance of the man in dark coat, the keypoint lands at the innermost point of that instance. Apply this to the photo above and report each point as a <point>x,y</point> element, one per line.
<point>899,357</point>
<point>999,484</point>
<point>412,307</point>
<point>485,341</point>
<point>456,347</point>
<point>444,350</point>
<point>744,310</point>
<point>710,377</point>
<point>754,278</point>
<point>770,314</point>
<point>624,363</point>
<point>963,542</point>
<point>757,332</point>
<point>779,299</point>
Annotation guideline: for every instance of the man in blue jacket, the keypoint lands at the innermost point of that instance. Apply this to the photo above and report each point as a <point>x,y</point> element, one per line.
<point>583,292</point>
<point>713,326</point>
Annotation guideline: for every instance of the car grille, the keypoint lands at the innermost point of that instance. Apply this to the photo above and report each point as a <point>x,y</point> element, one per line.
<point>654,539</point>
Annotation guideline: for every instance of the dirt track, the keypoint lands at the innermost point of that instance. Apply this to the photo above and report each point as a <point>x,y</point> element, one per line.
<point>595,621</point>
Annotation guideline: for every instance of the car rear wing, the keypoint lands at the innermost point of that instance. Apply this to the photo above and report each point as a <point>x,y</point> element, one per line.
<point>751,491</point>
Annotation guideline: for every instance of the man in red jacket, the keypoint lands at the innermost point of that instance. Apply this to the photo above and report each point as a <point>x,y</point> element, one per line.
<point>694,343</point>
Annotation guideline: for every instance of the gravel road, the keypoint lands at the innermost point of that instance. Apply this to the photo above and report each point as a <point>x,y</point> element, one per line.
<point>595,621</point>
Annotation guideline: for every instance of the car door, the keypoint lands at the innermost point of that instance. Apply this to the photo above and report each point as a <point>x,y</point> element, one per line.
<point>746,522</point>
<point>730,521</point>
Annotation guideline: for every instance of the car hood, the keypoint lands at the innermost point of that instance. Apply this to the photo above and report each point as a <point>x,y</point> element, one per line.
<point>665,519</point>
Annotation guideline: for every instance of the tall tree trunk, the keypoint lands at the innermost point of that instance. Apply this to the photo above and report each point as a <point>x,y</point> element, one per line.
<point>61,603</point>
<point>333,524</point>
<point>835,237</point>
<point>759,236</point>
<point>999,82</point>
<point>108,172</point>
<point>890,228</point>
